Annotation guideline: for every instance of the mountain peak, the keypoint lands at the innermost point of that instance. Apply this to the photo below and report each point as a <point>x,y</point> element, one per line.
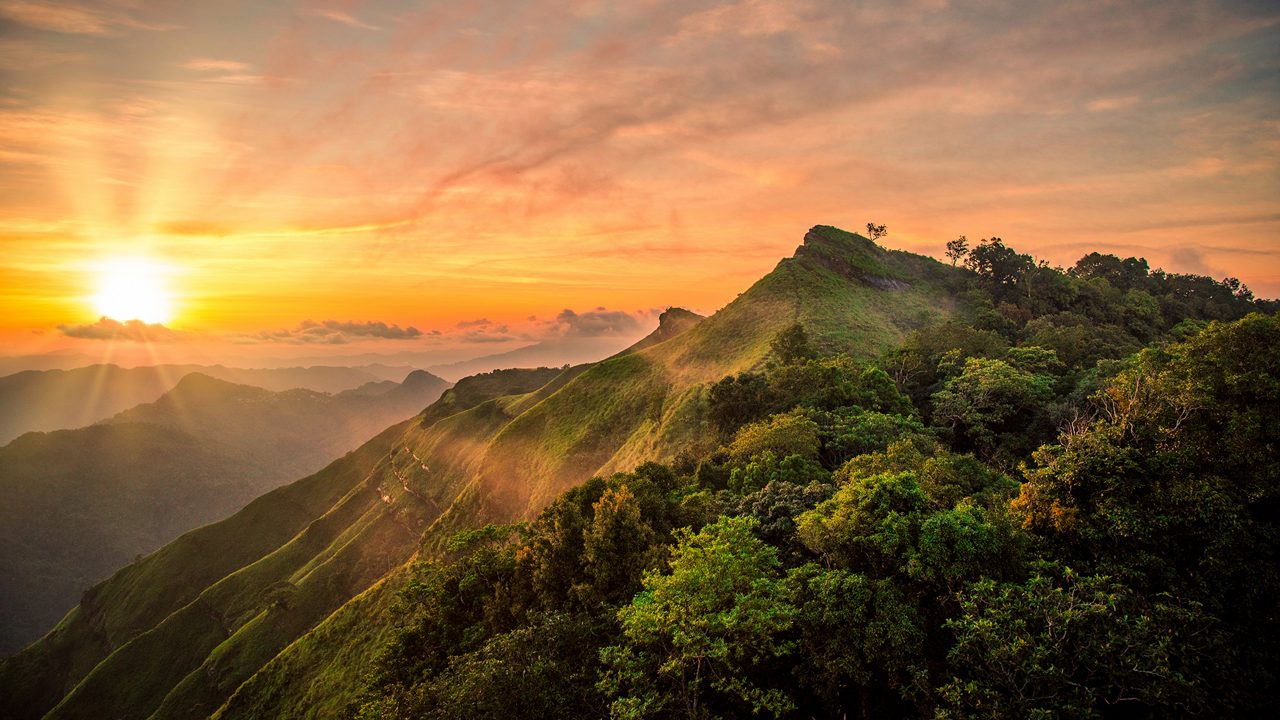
<point>198,383</point>
<point>674,317</point>
<point>851,256</point>
<point>419,379</point>
<point>672,322</point>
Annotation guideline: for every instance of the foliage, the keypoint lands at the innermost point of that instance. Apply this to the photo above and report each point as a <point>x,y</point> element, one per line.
<point>993,408</point>
<point>696,639</point>
<point>783,435</point>
<point>957,249</point>
<point>767,467</point>
<point>737,400</point>
<point>792,345</point>
<point>1062,644</point>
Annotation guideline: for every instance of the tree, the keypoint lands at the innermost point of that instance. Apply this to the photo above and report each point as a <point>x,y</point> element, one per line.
<point>860,641</point>
<point>792,345</point>
<point>1063,644</point>
<point>991,406</point>
<point>957,249</point>
<point>875,232</point>
<point>870,525</point>
<point>735,401</point>
<point>1001,268</point>
<point>783,435</point>
<point>697,640</point>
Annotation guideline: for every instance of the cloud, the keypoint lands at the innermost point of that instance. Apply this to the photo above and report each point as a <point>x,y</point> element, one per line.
<point>341,17</point>
<point>491,333</point>
<point>474,323</point>
<point>641,148</point>
<point>212,65</point>
<point>1192,261</point>
<point>596,323</point>
<point>71,18</point>
<point>130,330</point>
<point>240,79</point>
<point>334,332</point>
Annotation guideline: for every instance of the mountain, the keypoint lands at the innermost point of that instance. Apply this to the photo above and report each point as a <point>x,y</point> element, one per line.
<point>59,399</point>
<point>290,433</point>
<point>80,504</point>
<point>280,619</point>
<point>555,352</point>
<point>671,323</point>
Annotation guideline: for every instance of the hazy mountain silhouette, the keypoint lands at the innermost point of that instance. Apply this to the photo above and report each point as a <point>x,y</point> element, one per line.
<point>81,503</point>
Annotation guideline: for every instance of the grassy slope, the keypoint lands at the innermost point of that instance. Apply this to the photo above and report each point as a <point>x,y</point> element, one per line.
<point>474,459</point>
<point>849,294</point>
<point>329,661</point>
<point>140,596</point>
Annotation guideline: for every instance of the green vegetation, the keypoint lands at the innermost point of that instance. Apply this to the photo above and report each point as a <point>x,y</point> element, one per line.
<point>873,485</point>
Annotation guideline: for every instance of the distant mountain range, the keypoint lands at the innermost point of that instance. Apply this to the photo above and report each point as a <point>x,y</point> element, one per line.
<point>555,352</point>
<point>80,503</point>
<point>60,399</point>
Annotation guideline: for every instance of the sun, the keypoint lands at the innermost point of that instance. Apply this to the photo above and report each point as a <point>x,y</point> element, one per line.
<point>133,289</point>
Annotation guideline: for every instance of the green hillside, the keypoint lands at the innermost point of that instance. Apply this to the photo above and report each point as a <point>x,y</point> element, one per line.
<point>493,452</point>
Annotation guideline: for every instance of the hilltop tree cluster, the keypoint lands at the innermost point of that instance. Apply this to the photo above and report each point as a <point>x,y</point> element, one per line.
<point>1061,505</point>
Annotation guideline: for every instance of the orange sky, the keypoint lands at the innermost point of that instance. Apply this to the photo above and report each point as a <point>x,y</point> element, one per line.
<point>431,165</point>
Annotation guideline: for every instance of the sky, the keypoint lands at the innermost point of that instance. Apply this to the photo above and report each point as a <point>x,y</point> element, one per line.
<point>454,177</point>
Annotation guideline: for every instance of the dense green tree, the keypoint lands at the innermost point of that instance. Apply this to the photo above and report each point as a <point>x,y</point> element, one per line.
<point>767,467</point>
<point>993,408</point>
<point>1175,490</point>
<point>737,400</point>
<point>849,432</point>
<point>784,435</point>
<point>543,670</point>
<point>1003,270</point>
<point>1066,645</point>
<point>860,643</point>
<point>871,525</point>
<point>775,507</point>
<point>792,345</point>
<point>837,382</point>
<point>697,637</point>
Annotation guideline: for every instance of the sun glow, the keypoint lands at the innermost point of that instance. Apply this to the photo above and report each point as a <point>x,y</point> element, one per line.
<point>133,289</point>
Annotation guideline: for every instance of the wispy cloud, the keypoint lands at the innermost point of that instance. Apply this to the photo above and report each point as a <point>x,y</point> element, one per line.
<point>74,18</point>
<point>345,18</point>
<point>214,65</point>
